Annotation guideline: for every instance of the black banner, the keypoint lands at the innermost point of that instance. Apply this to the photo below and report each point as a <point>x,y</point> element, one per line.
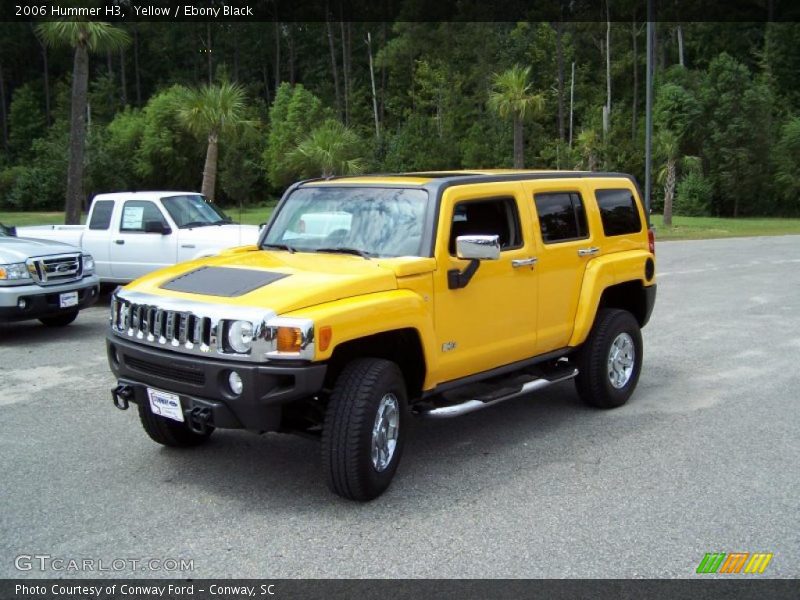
<point>402,10</point>
<point>441,589</point>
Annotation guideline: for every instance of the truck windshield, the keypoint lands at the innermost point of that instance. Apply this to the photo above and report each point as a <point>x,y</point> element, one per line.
<point>367,221</point>
<point>193,210</point>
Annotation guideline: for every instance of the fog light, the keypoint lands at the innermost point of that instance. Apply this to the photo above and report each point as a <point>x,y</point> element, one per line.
<point>22,303</point>
<point>235,383</point>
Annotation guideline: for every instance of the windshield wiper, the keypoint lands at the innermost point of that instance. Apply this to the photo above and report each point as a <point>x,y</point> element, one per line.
<point>344,250</point>
<point>286,247</point>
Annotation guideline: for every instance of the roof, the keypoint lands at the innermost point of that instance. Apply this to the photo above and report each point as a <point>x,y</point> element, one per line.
<point>455,177</point>
<point>145,195</point>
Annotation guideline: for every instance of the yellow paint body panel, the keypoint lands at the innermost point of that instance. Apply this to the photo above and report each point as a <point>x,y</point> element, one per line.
<point>505,314</point>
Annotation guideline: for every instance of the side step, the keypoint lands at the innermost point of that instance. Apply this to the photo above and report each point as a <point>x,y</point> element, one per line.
<point>483,395</point>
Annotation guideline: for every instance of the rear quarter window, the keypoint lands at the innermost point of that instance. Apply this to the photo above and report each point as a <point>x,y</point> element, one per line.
<point>101,215</point>
<point>618,211</point>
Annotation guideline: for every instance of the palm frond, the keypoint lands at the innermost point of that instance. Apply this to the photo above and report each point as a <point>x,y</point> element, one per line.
<point>511,94</point>
<point>212,109</point>
<point>95,36</point>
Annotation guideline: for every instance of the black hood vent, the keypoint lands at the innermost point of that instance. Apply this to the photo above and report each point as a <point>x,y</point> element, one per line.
<point>221,281</point>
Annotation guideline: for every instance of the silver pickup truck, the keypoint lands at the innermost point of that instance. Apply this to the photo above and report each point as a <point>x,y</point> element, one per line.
<point>44,280</point>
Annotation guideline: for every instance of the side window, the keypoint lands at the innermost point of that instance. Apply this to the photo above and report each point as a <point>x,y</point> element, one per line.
<point>135,213</point>
<point>618,212</point>
<point>101,214</point>
<point>562,216</point>
<point>498,216</point>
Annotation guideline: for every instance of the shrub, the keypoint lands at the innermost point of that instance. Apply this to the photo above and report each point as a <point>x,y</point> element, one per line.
<point>693,195</point>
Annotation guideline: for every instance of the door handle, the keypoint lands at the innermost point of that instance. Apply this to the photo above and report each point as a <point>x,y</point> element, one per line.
<point>591,251</point>
<point>524,262</point>
<point>120,242</point>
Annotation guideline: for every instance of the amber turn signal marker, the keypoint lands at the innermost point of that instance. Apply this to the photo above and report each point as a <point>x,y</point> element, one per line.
<point>325,334</point>
<point>290,339</point>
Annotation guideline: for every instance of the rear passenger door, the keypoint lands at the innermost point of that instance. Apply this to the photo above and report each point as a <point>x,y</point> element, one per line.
<point>565,244</point>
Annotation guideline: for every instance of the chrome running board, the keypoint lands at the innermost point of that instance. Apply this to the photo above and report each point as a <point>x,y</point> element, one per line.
<point>462,408</point>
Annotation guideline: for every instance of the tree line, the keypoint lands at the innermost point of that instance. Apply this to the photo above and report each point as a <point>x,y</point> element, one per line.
<point>240,110</point>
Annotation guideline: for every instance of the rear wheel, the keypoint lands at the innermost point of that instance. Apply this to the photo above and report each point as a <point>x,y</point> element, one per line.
<point>168,432</point>
<point>364,431</point>
<point>610,360</point>
<point>60,320</point>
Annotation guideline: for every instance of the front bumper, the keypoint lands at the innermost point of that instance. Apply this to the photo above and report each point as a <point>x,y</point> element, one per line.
<point>202,384</point>
<point>40,301</point>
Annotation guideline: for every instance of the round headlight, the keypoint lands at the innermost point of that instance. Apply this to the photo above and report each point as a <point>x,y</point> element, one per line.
<point>235,383</point>
<point>240,336</point>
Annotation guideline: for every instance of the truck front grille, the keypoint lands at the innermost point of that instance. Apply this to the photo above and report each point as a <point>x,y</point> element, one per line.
<point>187,326</point>
<point>164,327</point>
<point>52,270</point>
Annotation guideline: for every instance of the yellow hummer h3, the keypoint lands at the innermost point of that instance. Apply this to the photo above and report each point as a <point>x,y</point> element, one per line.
<point>369,300</point>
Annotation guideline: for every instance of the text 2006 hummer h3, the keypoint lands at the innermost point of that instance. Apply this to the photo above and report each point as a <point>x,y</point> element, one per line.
<point>371,299</point>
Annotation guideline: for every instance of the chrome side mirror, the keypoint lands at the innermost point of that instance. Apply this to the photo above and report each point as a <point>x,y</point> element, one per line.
<point>478,247</point>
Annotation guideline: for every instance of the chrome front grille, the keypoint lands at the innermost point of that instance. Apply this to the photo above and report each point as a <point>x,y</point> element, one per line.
<point>52,270</point>
<point>186,326</point>
<point>165,327</point>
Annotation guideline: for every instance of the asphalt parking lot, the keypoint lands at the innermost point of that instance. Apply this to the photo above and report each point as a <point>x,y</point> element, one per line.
<point>704,458</point>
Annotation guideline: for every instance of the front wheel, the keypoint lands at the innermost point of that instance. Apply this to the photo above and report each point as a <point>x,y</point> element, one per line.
<point>610,360</point>
<point>364,430</point>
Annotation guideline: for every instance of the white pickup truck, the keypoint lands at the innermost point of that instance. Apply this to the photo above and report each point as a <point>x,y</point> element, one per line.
<point>130,234</point>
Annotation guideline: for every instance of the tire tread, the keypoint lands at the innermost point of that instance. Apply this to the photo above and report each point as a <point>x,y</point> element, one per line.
<point>591,381</point>
<point>342,436</point>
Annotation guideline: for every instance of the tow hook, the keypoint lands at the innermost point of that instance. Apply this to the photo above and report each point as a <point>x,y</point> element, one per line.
<point>198,418</point>
<point>121,395</point>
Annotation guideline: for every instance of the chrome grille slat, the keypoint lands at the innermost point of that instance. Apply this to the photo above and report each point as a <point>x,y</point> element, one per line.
<point>151,323</point>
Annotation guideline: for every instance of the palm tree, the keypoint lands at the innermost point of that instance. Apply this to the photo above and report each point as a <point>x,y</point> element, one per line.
<point>331,149</point>
<point>210,112</point>
<point>511,96</point>
<point>668,148</point>
<point>84,37</point>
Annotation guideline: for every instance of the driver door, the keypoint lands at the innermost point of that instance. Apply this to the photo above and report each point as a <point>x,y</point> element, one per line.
<point>134,252</point>
<point>491,321</point>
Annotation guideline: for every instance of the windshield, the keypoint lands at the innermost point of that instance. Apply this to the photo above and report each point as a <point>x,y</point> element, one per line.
<point>193,211</point>
<point>368,221</point>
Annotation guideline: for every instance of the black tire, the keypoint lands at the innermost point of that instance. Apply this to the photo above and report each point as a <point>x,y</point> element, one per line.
<point>593,381</point>
<point>347,436</point>
<point>60,320</point>
<point>168,432</point>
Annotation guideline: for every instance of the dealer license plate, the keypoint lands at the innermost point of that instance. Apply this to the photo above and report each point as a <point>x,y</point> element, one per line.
<point>165,404</point>
<point>68,299</point>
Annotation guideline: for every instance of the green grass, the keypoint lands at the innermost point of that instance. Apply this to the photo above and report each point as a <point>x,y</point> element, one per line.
<point>251,215</point>
<point>702,228</point>
<point>21,219</point>
<point>683,228</point>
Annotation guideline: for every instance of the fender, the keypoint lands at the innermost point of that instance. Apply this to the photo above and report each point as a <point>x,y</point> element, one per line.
<point>378,313</point>
<point>601,273</point>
